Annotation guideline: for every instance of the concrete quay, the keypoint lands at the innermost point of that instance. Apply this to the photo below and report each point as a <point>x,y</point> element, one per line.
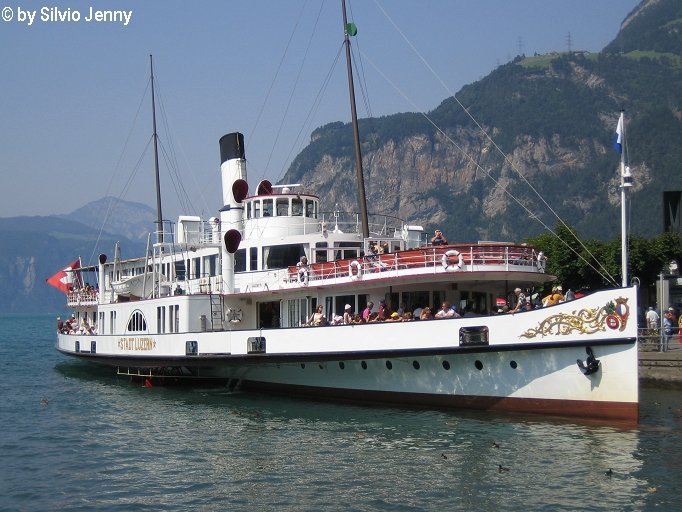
<point>660,369</point>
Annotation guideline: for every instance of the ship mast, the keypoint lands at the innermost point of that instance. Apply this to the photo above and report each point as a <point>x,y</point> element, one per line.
<point>356,133</point>
<point>159,215</point>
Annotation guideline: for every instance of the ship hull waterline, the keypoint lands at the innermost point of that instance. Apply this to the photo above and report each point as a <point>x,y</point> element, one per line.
<point>534,379</point>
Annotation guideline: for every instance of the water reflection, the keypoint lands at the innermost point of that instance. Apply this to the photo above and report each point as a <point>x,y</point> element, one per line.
<point>209,447</point>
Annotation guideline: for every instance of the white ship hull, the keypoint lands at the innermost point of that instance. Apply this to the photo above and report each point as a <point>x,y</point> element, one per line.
<point>529,363</point>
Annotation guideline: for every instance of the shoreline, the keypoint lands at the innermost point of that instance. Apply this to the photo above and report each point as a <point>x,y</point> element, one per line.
<point>660,369</point>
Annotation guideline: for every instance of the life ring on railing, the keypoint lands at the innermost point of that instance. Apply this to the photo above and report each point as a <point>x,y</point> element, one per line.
<point>303,275</point>
<point>234,315</point>
<point>452,260</point>
<point>355,269</point>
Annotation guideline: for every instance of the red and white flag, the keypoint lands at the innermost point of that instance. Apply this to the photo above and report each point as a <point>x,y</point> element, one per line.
<point>65,279</point>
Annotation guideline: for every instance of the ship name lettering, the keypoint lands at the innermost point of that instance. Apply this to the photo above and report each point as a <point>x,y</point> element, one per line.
<point>136,343</point>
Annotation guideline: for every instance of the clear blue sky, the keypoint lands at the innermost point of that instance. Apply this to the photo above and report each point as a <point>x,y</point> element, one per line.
<point>73,92</point>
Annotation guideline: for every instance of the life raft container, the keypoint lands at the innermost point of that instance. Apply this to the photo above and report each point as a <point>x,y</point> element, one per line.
<point>452,260</point>
<point>355,269</point>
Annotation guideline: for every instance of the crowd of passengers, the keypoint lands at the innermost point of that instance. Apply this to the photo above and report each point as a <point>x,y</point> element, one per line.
<point>87,292</point>
<point>71,326</point>
<point>385,313</point>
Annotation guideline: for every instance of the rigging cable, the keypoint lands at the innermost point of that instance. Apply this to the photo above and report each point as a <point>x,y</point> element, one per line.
<point>117,167</point>
<point>605,275</point>
<point>298,76</point>
<point>504,155</point>
<point>274,79</point>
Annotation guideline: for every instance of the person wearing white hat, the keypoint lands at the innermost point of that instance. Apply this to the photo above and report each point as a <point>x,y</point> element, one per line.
<point>347,315</point>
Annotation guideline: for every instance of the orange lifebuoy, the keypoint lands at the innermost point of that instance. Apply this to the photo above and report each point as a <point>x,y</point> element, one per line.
<point>452,260</point>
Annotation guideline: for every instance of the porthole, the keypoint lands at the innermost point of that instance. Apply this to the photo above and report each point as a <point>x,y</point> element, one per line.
<point>478,365</point>
<point>446,365</point>
<point>342,365</point>
<point>513,364</point>
<point>389,365</point>
<point>302,366</point>
<point>415,365</point>
<point>364,365</point>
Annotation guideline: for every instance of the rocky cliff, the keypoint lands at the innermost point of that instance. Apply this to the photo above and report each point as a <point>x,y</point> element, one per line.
<point>553,118</point>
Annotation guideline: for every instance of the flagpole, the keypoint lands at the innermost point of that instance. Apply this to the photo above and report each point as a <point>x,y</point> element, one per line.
<point>625,183</point>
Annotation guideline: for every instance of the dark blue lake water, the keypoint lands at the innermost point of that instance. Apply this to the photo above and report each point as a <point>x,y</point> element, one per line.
<point>76,437</point>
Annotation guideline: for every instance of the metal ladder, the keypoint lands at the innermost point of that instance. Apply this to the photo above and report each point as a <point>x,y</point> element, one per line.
<point>217,312</point>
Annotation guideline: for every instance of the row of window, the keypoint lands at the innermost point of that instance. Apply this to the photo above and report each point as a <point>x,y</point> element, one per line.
<point>281,207</point>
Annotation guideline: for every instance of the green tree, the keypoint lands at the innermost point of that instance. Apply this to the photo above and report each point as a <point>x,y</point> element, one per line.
<point>588,266</point>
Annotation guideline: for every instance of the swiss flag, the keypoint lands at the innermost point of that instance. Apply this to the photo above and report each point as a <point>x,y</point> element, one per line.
<point>65,278</point>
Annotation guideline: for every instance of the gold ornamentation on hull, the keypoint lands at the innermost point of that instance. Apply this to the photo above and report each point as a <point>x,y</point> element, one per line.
<point>585,321</point>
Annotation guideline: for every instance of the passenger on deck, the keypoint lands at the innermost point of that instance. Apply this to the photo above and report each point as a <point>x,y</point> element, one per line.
<point>439,239</point>
<point>426,314</point>
<point>357,319</point>
<point>367,311</point>
<point>394,317</point>
<point>347,315</point>
<point>553,298</point>
<point>178,290</point>
<point>302,267</point>
<point>521,301</point>
<point>446,311</point>
<point>383,311</point>
<point>408,317</point>
<point>317,318</point>
<point>373,258</point>
<point>417,312</point>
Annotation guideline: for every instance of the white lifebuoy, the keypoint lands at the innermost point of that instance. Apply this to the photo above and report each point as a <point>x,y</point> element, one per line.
<point>303,275</point>
<point>452,260</point>
<point>234,315</point>
<point>355,269</point>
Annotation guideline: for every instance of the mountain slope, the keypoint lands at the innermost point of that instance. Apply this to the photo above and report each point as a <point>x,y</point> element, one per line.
<point>35,248</point>
<point>554,117</point>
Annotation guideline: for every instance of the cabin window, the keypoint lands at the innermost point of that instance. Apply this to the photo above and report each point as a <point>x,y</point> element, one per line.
<point>210,265</point>
<point>281,256</point>
<point>341,301</point>
<point>297,206</point>
<point>311,209</point>
<point>180,270</point>
<point>112,321</point>
<point>267,208</point>
<point>253,258</point>
<point>161,319</point>
<point>137,322</point>
<point>349,253</point>
<point>282,206</point>
<point>321,252</point>
<point>268,314</point>
<point>256,209</point>
<point>248,207</point>
<point>240,260</point>
<point>414,300</point>
<point>294,312</point>
<point>174,318</point>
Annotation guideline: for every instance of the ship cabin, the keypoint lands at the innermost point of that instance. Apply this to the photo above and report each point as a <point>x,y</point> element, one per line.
<point>181,287</point>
